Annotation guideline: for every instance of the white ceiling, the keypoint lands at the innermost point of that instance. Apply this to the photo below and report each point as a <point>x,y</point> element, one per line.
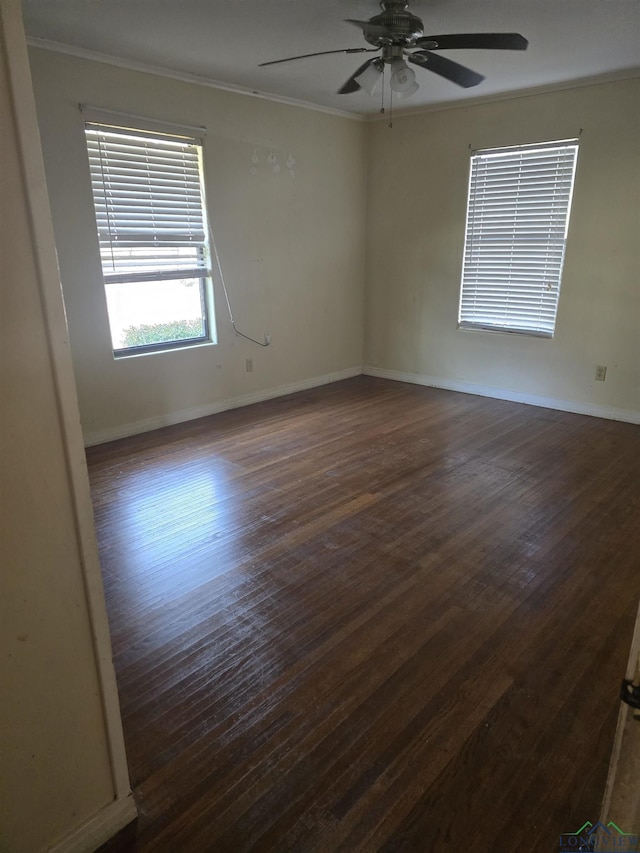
<point>224,40</point>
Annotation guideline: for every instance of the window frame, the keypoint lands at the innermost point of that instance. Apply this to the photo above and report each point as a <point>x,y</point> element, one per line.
<point>118,271</point>
<point>513,257</point>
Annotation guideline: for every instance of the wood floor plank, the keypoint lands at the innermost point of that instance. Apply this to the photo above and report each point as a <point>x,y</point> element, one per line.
<point>369,616</point>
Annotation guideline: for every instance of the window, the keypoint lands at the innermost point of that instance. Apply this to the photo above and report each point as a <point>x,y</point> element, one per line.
<point>149,201</point>
<point>517,220</point>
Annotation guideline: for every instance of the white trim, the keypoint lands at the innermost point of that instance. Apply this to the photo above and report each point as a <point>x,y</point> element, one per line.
<point>171,418</point>
<point>45,258</point>
<point>621,800</point>
<point>479,100</point>
<point>99,828</point>
<point>593,409</point>
<point>183,76</point>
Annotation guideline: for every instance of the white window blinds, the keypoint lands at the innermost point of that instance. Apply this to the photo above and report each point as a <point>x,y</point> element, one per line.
<point>517,219</point>
<point>149,203</point>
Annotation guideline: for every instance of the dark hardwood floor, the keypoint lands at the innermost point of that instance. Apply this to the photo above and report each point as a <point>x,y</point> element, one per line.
<point>370,616</point>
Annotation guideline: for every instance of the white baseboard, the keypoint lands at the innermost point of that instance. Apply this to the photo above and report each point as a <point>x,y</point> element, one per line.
<point>593,409</point>
<point>99,828</point>
<point>170,418</point>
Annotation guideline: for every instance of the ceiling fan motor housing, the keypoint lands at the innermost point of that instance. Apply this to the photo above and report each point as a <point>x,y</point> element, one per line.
<point>403,27</point>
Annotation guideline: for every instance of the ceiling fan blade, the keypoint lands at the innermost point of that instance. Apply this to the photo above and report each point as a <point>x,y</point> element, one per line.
<point>483,41</point>
<point>446,68</point>
<point>373,31</point>
<point>352,84</point>
<point>320,53</point>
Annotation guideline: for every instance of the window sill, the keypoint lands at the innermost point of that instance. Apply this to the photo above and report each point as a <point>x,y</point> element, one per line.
<point>122,355</point>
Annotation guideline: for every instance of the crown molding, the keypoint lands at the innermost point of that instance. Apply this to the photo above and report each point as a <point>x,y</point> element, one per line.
<point>596,80</point>
<point>183,76</point>
<point>186,77</point>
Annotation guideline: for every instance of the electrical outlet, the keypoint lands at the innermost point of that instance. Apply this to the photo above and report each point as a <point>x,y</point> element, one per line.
<point>601,372</point>
<point>249,365</point>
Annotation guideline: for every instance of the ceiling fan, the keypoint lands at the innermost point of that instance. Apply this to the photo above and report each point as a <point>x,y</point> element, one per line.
<point>396,33</point>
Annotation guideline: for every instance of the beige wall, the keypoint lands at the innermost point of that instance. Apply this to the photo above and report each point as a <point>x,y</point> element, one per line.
<point>292,249</point>
<point>57,768</point>
<point>418,174</point>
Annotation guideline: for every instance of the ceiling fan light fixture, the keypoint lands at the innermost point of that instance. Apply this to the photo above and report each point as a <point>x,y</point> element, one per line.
<point>370,78</point>
<point>406,93</point>
<point>403,78</point>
